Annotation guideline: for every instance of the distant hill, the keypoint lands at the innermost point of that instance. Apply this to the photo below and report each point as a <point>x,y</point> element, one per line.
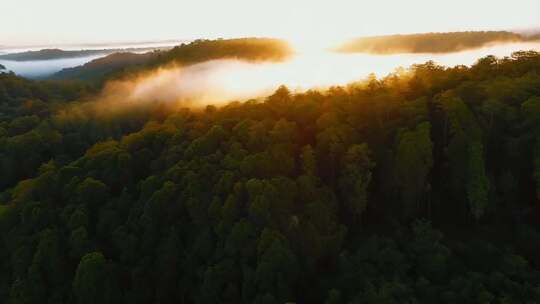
<point>51,54</point>
<point>430,42</point>
<point>123,64</point>
<point>534,37</point>
<point>100,67</point>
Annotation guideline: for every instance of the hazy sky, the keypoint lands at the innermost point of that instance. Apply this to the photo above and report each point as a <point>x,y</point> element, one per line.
<point>78,21</point>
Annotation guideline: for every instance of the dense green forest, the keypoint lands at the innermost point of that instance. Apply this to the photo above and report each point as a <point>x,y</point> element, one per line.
<point>124,64</point>
<point>430,42</point>
<point>420,187</point>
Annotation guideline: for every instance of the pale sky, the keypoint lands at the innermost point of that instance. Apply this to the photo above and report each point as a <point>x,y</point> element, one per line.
<point>96,21</point>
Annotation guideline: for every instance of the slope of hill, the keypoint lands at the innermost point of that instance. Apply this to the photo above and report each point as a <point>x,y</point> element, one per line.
<point>250,49</point>
<point>100,67</point>
<point>120,65</point>
<point>429,42</point>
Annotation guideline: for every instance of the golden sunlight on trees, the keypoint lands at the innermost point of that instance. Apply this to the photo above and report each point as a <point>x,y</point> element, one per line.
<point>418,187</point>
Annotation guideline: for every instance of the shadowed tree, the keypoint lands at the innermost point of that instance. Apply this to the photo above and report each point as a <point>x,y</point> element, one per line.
<point>530,110</point>
<point>276,268</point>
<point>413,162</point>
<point>355,178</point>
<point>47,271</point>
<point>92,192</point>
<point>88,285</point>
<point>94,282</point>
<point>477,182</point>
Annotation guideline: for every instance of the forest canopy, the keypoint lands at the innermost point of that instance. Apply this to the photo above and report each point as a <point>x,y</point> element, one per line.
<point>419,187</point>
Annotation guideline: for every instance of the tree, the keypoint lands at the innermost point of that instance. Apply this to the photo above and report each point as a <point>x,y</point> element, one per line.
<point>536,162</point>
<point>281,95</point>
<point>428,252</point>
<point>277,266</point>
<point>79,243</point>
<point>94,282</point>
<point>413,162</point>
<point>530,110</point>
<point>334,297</point>
<point>92,192</point>
<point>463,131</point>
<point>477,182</point>
<point>47,269</point>
<point>355,178</point>
<point>166,269</point>
<point>309,161</point>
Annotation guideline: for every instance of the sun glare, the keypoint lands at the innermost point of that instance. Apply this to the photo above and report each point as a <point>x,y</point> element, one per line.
<point>221,81</point>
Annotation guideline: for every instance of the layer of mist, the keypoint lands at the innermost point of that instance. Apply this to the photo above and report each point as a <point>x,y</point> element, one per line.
<point>431,42</point>
<point>36,69</point>
<point>220,81</point>
<point>43,68</point>
<point>93,46</point>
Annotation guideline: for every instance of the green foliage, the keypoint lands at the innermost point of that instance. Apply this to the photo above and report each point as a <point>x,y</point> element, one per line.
<point>477,182</point>
<point>91,192</point>
<point>414,160</point>
<point>314,197</point>
<point>356,177</point>
<point>90,281</point>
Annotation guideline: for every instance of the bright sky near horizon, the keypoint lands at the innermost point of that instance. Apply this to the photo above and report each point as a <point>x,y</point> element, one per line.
<point>25,22</point>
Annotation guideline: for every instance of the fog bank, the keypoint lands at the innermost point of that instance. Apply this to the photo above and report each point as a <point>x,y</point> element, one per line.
<point>220,81</point>
<point>43,68</point>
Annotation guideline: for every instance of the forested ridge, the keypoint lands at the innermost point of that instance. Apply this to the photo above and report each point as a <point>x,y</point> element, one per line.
<point>51,54</point>
<point>431,42</point>
<point>419,187</point>
<point>124,64</point>
<point>48,54</point>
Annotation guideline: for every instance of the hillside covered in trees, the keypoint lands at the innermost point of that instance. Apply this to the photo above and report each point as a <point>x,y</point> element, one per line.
<point>99,68</point>
<point>125,64</point>
<point>430,42</point>
<point>420,187</point>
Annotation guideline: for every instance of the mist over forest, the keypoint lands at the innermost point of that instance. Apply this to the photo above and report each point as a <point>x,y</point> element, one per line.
<point>390,169</point>
<point>94,61</point>
<point>433,42</point>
